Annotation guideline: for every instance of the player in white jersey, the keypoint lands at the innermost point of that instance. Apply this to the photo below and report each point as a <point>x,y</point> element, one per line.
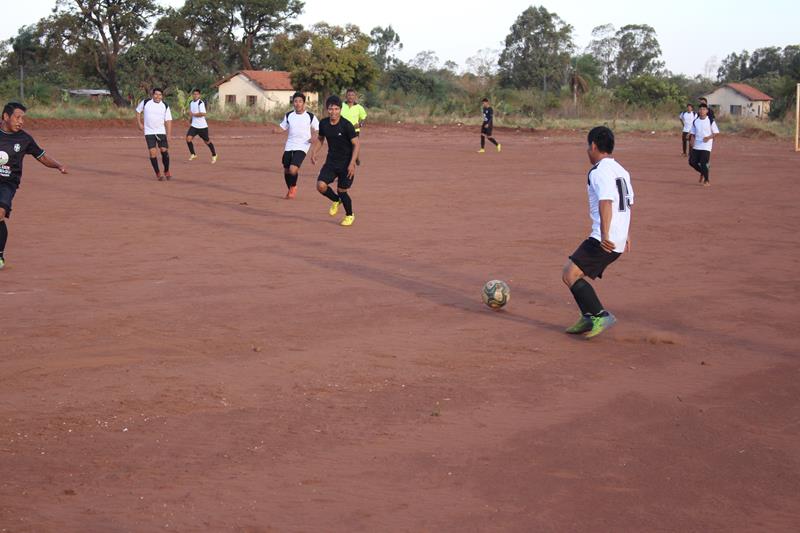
<point>157,128</point>
<point>610,200</point>
<point>701,137</point>
<point>686,118</point>
<point>199,126</point>
<point>299,124</point>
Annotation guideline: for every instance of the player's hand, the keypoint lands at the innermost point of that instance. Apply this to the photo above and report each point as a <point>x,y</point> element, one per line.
<point>62,169</point>
<point>351,170</point>
<point>706,139</point>
<point>607,245</point>
<point>628,246</point>
<point>313,159</point>
<point>141,127</point>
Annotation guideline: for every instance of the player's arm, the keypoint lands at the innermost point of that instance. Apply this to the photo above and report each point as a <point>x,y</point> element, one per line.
<point>315,148</point>
<point>139,120</point>
<point>714,132</point>
<point>606,212</point>
<point>168,124</point>
<point>49,162</point>
<point>351,168</point>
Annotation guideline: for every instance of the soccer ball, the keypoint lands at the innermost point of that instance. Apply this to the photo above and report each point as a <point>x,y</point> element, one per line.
<point>496,293</point>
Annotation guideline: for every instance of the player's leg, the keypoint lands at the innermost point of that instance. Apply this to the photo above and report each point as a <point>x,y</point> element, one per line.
<point>7,193</point>
<point>190,134</point>
<point>3,239</point>
<point>326,177</point>
<point>152,151</point>
<point>588,260</point>
<point>343,186</point>
<point>694,161</point>
<point>206,139</point>
<point>684,141</point>
<point>163,145</point>
<point>286,161</point>
<point>705,165</point>
<point>483,140</point>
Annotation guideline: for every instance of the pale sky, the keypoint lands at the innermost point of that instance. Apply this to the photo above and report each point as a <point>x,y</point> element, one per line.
<point>691,33</point>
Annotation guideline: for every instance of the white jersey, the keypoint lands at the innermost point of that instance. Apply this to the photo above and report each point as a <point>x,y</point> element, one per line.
<point>299,127</point>
<point>198,107</point>
<point>609,181</point>
<point>687,117</point>
<point>155,116</point>
<point>702,128</point>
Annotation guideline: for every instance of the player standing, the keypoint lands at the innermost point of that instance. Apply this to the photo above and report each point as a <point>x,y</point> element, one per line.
<point>701,136</point>
<point>157,128</point>
<point>299,123</point>
<point>487,126</point>
<point>14,145</point>
<point>199,126</point>
<point>354,112</point>
<point>610,200</point>
<point>340,165</point>
<point>686,118</point>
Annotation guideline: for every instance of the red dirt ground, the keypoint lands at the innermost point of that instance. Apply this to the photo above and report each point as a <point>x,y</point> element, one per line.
<point>202,355</point>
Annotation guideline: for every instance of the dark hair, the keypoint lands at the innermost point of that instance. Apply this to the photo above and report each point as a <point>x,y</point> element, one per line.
<point>333,100</point>
<point>350,90</point>
<point>156,89</point>
<point>196,90</point>
<point>485,100</point>
<point>298,94</point>
<point>11,106</point>
<point>603,138</point>
<point>690,105</point>
<point>702,106</point>
<point>703,99</point>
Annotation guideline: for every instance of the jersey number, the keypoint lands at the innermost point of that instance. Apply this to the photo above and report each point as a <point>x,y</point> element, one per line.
<point>624,195</point>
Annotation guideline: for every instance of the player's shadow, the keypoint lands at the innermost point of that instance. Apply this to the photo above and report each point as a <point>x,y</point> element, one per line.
<point>242,208</point>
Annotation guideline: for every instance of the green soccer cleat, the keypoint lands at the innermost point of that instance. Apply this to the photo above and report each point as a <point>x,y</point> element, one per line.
<point>192,157</point>
<point>481,151</point>
<point>213,159</point>
<point>583,325</point>
<point>600,323</point>
<point>2,263</point>
<point>348,220</point>
<point>334,208</point>
<point>499,148</point>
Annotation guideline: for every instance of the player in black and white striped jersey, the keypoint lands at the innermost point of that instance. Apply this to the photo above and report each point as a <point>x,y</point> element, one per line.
<point>199,126</point>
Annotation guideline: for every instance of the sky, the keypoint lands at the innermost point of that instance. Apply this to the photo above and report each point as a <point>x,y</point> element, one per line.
<point>456,29</point>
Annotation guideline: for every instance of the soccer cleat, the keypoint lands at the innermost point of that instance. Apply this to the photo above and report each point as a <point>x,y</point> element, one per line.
<point>2,263</point>
<point>161,177</point>
<point>334,209</point>
<point>192,157</point>
<point>481,151</point>
<point>168,175</point>
<point>499,147</point>
<point>600,323</point>
<point>348,220</point>
<point>583,325</point>
<point>213,159</point>
<point>291,192</point>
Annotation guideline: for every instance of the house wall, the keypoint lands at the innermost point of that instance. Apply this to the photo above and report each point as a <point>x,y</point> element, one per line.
<point>241,88</point>
<point>723,98</point>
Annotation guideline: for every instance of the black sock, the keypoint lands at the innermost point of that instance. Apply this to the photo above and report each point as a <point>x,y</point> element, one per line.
<point>287,178</point>
<point>165,160</point>
<point>330,194</point>
<point>586,298</point>
<point>190,144</point>
<point>3,237</point>
<point>347,202</point>
<point>154,162</point>
<point>211,147</point>
<point>494,142</point>
<point>293,180</point>
<point>483,142</point>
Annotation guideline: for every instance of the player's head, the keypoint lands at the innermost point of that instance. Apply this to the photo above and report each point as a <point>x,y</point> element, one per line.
<point>600,143</point>
<point>689,107</point>
<point>485,102</point>
<point>350,96</point>
<point>299,102</point>
<point>157,94</point>
<point>195,94</point>
<point>14,116</point>
<point>702,110</point>
<point>703,100</point>
<point>334,106</point>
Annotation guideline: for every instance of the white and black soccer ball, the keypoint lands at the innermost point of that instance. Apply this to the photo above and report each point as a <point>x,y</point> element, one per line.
<point>496,293</point>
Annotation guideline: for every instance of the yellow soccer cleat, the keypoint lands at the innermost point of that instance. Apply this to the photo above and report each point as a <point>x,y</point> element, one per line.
<point>192,157</point>
<point>481,151</point>
<point>348,220</point>
<point>213,159</point>
<point>498,147</point>
<point>334,209</point>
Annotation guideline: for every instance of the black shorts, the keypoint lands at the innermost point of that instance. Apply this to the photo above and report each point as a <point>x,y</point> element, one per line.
<point>7,192</point>
<point>331,172</point>
<point>159,140</point>
<point>293,157</point>
<point>592,259</point>
<point>487,130</point>
<point>194,132</point>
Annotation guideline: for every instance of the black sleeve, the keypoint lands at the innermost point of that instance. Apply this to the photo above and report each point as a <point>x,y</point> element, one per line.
<point>489,115</point>
<point>33,149</point>
<point>322,128</point>
<point>349,130</point>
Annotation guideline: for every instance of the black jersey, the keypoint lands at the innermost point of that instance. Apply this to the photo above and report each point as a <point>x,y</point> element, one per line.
<point>488,116</point>
<point>13,147</point>
<point>340,140</point>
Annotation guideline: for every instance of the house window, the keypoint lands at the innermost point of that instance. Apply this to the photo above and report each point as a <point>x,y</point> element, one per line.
<point>230,99</point>
<point>736,110</point>
<point>251,100</point>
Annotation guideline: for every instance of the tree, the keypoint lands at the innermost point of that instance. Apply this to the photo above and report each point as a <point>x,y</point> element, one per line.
<point>484,63</point>
<point>537,50</point>
<point>637,53</point>
<point>384,42</point>
<point>426,61</point>
<point>25,47</point>
<point>603,47</point>
<point>649,91</point>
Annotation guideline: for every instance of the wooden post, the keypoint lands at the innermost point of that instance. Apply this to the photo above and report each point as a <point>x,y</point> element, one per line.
<point>797,121</point>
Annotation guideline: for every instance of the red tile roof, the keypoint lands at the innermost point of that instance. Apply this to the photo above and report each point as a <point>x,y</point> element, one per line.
<point>749,92</point>
<point>268,80</point>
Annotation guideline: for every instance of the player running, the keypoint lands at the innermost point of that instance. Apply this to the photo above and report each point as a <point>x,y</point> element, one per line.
<point>686,118</point>
<point>157,128</point>
<point>701,136</point>
<point>354,112</point>
<point>610,200</point>
<point>14,145</point>
<point>198,126</point>
<point>487,126</point>
<point>343,148</point>
<point>299,124</point>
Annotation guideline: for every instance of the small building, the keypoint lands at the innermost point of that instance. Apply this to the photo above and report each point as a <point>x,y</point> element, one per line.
<point>89,94</point>
<point>263,90</point>
<point>739,99</point>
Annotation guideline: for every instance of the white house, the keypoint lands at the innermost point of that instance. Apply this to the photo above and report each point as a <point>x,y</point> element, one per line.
<point>739,99</point>
<point>260,89</point>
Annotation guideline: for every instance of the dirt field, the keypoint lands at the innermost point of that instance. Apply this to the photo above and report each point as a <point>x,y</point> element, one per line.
<point>202,355</point>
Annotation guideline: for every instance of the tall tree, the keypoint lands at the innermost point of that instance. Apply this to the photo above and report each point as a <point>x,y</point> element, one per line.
<point>426,61</point>
<point>603,47</point>
<point>638,52</point>
<point>537,50</point>
<point>384,42</point>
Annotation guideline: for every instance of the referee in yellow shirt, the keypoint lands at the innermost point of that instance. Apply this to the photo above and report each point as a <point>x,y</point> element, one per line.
<point>354,112</point>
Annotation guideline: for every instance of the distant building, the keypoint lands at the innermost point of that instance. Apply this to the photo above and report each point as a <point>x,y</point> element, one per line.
<point>739,99</point>
<point>260,89</point>
<point>91,94</point>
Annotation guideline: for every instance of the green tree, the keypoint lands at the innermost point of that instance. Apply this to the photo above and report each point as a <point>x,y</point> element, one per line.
<point>637,52</point>
<point>603,47</point>
<point>384,42</point>
<point>648,91</point>
<point>537,50</point>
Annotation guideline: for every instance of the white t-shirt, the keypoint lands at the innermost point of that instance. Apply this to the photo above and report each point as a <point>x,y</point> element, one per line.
<point>609,181</point>
<point>687,117</point>
<point>701,128</point>
<point>155,115</point>
<point>198,107</point>
<point>299,127</point>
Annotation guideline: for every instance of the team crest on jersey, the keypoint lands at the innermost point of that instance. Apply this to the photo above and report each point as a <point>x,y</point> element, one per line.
<point>3,157</point>
<point>17,147</point>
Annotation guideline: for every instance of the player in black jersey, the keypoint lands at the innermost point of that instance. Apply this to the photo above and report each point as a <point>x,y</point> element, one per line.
<point>487,126</point>
<point>14,145</point>
<point>343,147</point>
